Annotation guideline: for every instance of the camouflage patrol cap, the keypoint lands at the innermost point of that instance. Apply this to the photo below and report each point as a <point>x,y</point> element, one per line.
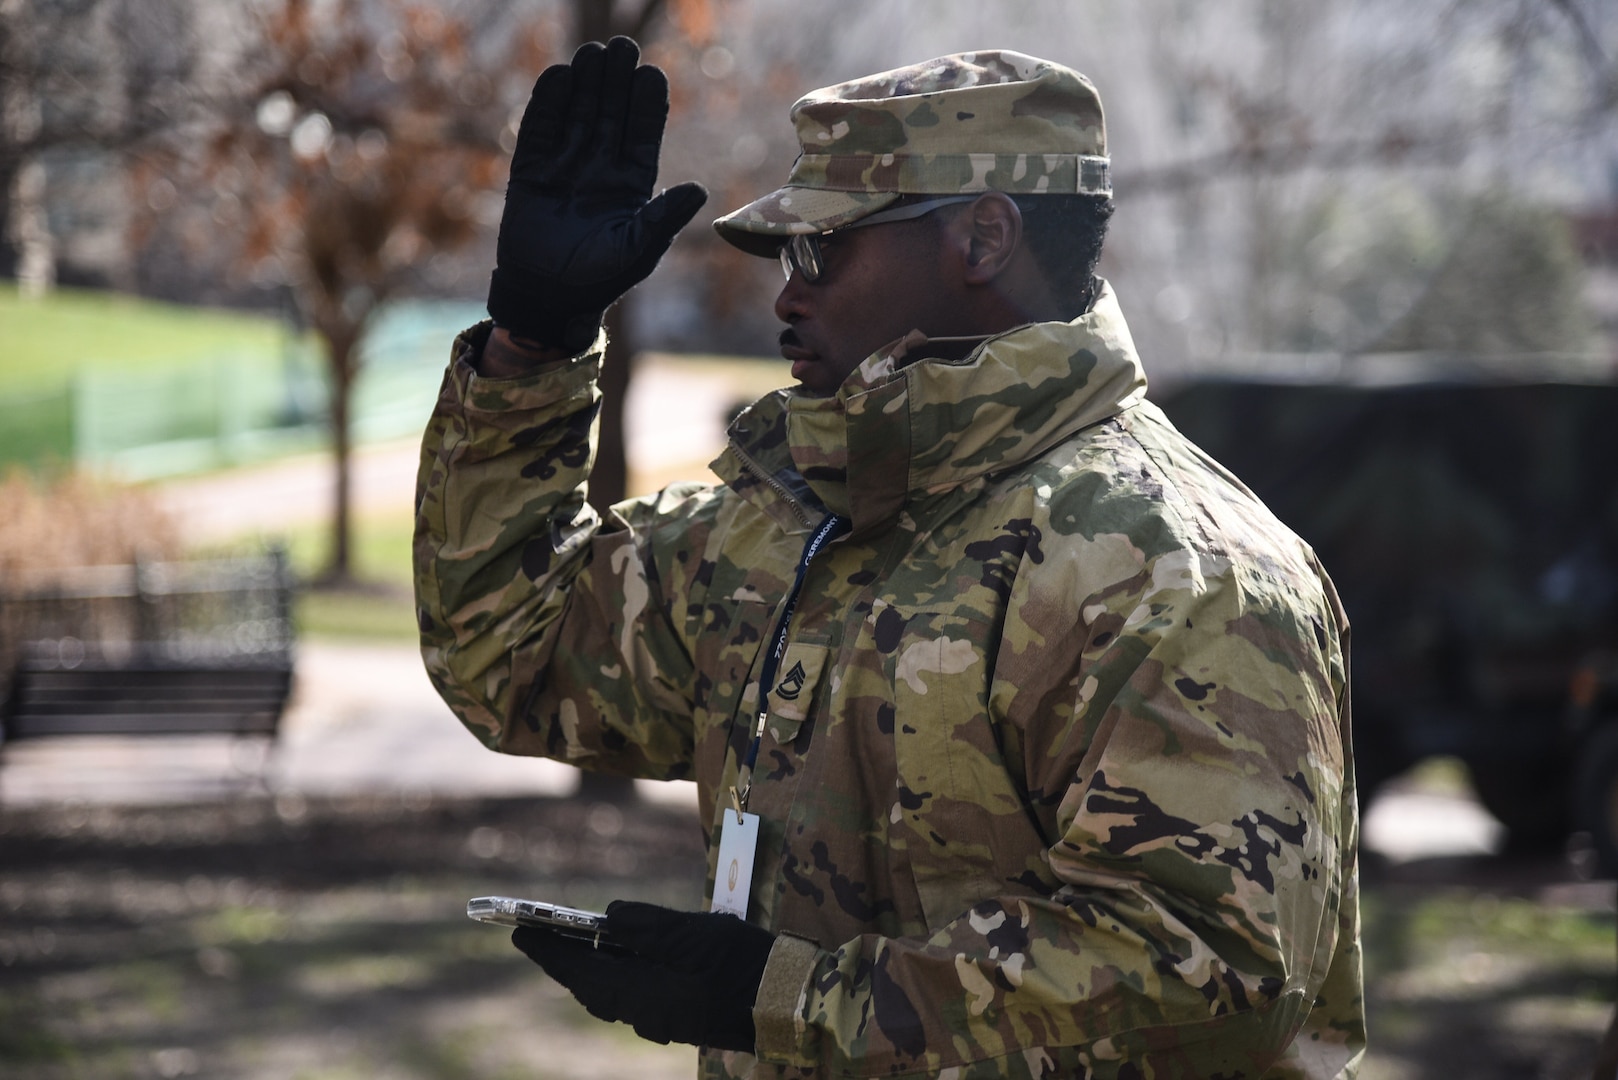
<point>981,121</point>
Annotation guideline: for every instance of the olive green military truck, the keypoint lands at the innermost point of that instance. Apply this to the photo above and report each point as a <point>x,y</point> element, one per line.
<point>1470,522</point>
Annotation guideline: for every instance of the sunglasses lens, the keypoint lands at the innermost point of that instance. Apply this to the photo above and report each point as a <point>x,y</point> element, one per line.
<point>802,253</point>
<point>808,251</point>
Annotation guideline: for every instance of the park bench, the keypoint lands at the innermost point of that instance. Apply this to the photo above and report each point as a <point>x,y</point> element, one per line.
<point>184,648</point>
<point>145,701</point>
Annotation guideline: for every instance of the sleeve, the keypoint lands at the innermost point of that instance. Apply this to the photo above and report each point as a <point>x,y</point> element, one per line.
<point>1187,723</point>
<point>548,631</point>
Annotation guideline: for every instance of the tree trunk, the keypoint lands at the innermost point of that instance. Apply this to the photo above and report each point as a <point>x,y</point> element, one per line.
<point>608,484</point>
<point>599,20</point>
<point>609,478</point>
<point>593,20</point>
<point>12,151</point>
<point>8,177</point>
<point>340,570</point>
<point>30,229</point>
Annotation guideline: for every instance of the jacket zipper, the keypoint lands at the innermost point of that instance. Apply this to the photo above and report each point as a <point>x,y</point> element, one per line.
<point>774,485</point>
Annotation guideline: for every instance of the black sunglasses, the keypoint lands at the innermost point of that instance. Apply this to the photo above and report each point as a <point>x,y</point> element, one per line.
<point>802,252</point>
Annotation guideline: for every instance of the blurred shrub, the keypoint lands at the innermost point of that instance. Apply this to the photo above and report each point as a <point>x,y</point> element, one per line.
<point>75,520</point>
<point>1396,269</point>
<point>1511,282</point>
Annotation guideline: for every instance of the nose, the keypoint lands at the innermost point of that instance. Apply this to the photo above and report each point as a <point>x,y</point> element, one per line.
<point>792,302</point>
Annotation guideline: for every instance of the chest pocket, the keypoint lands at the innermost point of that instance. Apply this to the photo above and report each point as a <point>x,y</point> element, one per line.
<point>792,699</point>
<point>959,816</point>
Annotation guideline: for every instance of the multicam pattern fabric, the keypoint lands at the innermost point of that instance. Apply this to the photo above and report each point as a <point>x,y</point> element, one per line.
<point>1066,789</point>
<point>985,121</point>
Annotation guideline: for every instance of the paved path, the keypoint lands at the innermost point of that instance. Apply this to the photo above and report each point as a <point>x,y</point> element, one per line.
<point>363,718</point>
<point>268,498</point>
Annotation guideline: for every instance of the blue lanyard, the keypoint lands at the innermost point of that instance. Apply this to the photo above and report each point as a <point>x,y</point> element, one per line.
<point>830,529</point>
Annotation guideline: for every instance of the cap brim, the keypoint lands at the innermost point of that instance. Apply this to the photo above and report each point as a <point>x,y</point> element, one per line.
<point>759,227</point>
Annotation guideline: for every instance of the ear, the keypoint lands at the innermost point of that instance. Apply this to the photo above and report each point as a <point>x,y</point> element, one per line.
<point>990,235</point>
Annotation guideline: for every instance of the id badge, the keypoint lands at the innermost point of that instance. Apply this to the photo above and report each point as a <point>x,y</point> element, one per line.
<point>738,841</point>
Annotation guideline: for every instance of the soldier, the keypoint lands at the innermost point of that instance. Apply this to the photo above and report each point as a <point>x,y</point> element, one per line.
<point>1021,725</point>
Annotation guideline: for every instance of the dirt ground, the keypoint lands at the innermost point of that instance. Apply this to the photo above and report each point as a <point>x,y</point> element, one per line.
<point>315,940</point>
<point>323,939</point>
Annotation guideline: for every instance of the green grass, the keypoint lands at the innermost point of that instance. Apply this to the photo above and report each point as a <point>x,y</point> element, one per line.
<point>355,615</point>
<point>382,608</point>
<point>377,608</point>
<point>43,342</point>
<point>133,372</point>
<point>1461,978</point>
<point>380,547</point>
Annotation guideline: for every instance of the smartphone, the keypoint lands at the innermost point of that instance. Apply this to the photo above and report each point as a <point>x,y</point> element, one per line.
<point>588,926</point>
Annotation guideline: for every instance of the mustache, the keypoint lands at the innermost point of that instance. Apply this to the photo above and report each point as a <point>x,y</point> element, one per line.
<point>788,338</point>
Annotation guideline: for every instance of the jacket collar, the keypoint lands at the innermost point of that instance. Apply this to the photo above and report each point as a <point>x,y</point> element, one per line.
<point>897,431</point>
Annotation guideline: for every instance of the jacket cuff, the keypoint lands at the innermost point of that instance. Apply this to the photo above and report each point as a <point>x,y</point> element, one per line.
<point>778,1011</point>
<point>545,385</point>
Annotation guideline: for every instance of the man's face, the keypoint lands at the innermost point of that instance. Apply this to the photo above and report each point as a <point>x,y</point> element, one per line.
<point>880,282</point>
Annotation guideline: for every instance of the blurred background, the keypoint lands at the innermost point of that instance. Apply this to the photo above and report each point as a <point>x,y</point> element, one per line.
<point>1368,250</point>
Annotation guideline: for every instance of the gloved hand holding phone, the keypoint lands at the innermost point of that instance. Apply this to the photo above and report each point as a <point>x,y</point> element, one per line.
<point>687,977</point>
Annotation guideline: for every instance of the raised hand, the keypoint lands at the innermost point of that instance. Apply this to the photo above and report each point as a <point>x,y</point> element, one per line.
<point>581,226</point>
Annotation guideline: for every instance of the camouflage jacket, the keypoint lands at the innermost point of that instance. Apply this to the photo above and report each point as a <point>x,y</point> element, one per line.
<point>1066,787</point>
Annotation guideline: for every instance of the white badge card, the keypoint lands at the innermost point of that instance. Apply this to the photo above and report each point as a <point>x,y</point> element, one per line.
<point>738,840</point>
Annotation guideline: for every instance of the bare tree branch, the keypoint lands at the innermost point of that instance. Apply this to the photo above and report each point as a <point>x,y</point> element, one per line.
<point>1260,158</point>
<point>1601,68</point>
<point>643,22</point>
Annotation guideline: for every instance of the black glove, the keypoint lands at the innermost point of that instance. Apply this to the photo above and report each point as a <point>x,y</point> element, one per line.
<point>687,977</point>
<point>580,226</point>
